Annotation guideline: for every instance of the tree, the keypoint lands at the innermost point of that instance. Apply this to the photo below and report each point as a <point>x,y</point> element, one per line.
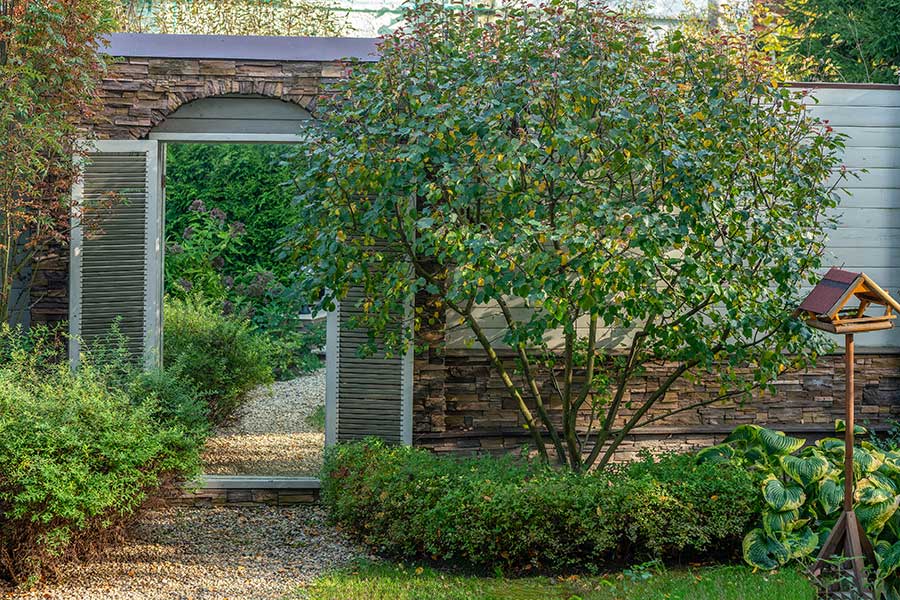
<point>557,159</point>
<point>231,17</point>
<point>835,40</point>
<point>49,75</point>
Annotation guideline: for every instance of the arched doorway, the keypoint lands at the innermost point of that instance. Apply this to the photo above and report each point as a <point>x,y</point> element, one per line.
<point>117,275</point>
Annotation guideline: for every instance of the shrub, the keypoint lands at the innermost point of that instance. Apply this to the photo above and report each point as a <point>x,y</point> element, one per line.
<point>222,356</point>
<point>293,352</point>
<point>505,513</point>
<point>77,456</point>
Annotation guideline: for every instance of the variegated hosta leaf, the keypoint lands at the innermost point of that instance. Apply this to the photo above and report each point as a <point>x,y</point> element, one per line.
<point>830,494</point>
<point>715,454</point>
<point>781,497</point>
<point>892,463</point>
<point>805,470</point>
<point>874,516</point>
<point>764,552</point>
<point>840,426</point>
<point>775,442</point>
<point>869,491</point>
<point>802,543</point>
<point>888,558</point>
<point>832,446</point>
<point>743,433</point>
<point>865,461</point>
<point>777,523</point>
<point>882,479</point>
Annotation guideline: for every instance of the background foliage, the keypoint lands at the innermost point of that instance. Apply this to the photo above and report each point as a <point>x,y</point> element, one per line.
<point>231,17</point>
<point>228,208</point>
<point>834,40</point>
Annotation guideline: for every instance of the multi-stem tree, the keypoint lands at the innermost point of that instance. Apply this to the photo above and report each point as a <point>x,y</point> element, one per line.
<point>587,182</point>
<point>49,74</point>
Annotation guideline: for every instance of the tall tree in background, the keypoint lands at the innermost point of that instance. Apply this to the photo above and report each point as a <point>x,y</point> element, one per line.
<point>49,73</point>
<point>231,17</point>
<point>834,40</point>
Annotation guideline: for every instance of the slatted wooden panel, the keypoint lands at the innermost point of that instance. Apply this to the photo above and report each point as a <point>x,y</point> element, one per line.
<point>370,391</point>
<point>115,255</point>
<point>868,237</point>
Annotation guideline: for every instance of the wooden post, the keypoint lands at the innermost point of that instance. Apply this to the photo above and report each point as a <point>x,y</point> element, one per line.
<point>848,435</point>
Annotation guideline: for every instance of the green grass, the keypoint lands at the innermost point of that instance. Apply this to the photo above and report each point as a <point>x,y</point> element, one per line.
<point>316,419</point>
<point>397,582</point>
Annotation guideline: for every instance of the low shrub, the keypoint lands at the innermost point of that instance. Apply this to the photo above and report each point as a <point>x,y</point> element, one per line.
<point>77,456</point>
<point>504,513</point>
<point>222,356</point>
<point>294,352</point>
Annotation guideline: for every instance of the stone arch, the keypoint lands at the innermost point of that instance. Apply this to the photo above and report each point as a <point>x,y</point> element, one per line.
<point>224,88</point>
<point>139,93</point>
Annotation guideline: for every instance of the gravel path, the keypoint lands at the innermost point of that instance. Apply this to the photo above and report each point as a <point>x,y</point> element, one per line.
<point>236,553</point>
<point>271,433</point>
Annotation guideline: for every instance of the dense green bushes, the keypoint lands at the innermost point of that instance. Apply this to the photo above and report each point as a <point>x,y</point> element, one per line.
<point>227,209</point>
<point>80,451</point>
<point>222,356</point>
<point>502,513</point>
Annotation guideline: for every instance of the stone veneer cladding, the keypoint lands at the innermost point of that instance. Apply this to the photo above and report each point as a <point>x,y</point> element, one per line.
<point>461,407</point>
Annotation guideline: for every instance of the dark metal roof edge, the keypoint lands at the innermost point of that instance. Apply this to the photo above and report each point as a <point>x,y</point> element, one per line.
<point>240,47</point>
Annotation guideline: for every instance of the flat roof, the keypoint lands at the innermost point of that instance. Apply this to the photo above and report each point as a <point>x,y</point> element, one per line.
<point>240,47</point>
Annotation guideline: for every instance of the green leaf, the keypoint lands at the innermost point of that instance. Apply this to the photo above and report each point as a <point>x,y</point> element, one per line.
<point>715,454</point>
<point>869,492</point>
<point>865,461</point>
<point>831,445</point>
<point>830,495</point>
<point>777,523</point>
<point>776,442</point>
<point>781,497</point>
<point>805,470</point>
<point>743,433</point>
<point>764,552</point>
<point>802,543</point>
<point>888,559</point>
<point>874,516</point>
<point>840,426</point>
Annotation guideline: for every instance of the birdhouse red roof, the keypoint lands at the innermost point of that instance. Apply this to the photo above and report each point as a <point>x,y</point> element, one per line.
<point>824,307</point>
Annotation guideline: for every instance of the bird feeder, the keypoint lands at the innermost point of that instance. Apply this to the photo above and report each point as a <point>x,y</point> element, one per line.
<point>838,304</point>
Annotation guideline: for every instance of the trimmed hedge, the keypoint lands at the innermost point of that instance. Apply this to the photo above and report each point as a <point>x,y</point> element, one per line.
<point>502,513</point>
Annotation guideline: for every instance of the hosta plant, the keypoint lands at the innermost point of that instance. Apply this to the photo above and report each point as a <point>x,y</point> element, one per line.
<point>803,492</point>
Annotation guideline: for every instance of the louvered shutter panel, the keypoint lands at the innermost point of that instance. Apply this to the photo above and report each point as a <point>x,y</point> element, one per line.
<point>116,262</point>
<point>369,396</point>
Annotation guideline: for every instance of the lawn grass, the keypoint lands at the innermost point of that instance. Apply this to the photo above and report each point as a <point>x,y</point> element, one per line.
<point>397,582</point>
